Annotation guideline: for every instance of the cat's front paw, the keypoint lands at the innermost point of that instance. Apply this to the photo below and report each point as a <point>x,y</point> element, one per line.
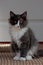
<point>16,58</point>
<point>28,57</point>
<point>22,58</point>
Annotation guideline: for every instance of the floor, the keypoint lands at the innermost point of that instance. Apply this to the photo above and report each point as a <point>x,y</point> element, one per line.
<point>7,59</point>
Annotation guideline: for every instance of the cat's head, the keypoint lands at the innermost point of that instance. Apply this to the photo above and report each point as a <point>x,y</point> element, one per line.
<point>18,20</point>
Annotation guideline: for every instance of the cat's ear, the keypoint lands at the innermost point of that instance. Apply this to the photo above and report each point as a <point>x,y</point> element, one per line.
<point>11,14</point>
<point>24,14</point>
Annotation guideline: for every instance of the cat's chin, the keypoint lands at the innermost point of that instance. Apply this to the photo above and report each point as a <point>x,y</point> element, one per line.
<point>17,29</point>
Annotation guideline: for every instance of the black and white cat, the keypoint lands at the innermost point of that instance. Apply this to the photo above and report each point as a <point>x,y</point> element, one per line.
<point>24,43</point>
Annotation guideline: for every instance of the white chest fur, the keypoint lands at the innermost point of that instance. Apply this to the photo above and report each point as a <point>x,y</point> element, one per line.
<point>17,34</point>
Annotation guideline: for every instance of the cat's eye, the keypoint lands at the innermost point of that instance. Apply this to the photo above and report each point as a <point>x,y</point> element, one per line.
<point>15,22</point>
<point>21,21</point>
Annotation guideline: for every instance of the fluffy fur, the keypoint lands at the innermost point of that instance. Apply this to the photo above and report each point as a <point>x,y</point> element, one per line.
<point>24,43</point>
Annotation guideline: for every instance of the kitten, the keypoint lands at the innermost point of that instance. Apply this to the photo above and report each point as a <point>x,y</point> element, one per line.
<point>24,43</point>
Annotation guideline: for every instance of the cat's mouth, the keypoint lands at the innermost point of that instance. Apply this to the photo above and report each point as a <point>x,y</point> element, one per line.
<point>17,28</point>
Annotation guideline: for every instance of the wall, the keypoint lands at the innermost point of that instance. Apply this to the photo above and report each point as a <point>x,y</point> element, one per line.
<point>35,15</point>
<point>36,26</point>
<point>33,7</point>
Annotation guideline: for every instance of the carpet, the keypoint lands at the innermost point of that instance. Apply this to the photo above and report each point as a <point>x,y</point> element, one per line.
<point>7,59</point>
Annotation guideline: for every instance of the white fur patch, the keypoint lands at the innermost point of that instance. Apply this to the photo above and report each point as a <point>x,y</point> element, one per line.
<point>16,58</point>
<point>28,57</point>
<point>18,43</point>
<point>17,25</point>
<point>17,33</point>
<point>21,58</point>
